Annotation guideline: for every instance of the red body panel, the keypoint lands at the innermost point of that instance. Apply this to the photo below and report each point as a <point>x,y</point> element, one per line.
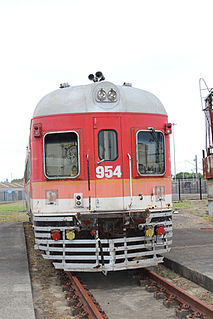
<point>84,125</point>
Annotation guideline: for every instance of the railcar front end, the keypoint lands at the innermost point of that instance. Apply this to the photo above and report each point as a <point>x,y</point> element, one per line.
<point>98,179</point>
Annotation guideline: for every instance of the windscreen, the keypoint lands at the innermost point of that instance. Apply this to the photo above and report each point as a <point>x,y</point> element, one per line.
<point>108,145</point>
<point>150,153</point>
<point>61,155</point>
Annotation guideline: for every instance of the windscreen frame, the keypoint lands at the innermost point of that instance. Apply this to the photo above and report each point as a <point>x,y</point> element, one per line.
<point>78,154</point>
<point>137,155</point>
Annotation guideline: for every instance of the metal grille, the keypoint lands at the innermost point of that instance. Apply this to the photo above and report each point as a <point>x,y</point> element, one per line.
<point>114,254</point>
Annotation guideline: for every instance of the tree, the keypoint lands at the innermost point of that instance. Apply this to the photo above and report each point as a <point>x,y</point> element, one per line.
<point>18,180</point>
<point>182,175</point>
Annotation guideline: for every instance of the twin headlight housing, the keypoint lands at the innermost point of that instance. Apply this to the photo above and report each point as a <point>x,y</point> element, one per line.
<point>104,95</point>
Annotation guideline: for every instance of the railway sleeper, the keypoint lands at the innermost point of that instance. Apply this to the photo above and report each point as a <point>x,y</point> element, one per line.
<point>182,311</point>
<point>162,290</point>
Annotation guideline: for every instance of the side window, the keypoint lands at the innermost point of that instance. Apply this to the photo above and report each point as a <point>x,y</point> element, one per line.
<point>150,153</point>
<point>108,145</point>
<point>61,155</point>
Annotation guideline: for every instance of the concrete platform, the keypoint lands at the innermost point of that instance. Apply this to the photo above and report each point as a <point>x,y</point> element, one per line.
<point>15,286</point>
<point>192,251</point>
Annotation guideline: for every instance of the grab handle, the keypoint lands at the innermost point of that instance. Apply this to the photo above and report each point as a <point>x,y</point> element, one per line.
<point>130,178</point>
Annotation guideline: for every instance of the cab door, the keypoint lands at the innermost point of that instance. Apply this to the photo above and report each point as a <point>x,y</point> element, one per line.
<point>108,164</point>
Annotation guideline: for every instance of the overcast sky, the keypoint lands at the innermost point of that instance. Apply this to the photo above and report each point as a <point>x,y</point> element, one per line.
<point>163,46</point>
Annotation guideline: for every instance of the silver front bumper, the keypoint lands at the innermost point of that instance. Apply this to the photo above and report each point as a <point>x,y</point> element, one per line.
<point>118,253</point>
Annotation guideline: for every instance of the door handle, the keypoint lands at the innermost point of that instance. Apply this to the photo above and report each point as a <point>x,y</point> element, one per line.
<point>101,161</point>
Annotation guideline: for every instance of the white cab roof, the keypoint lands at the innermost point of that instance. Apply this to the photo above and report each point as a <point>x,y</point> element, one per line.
<point>83,99</point>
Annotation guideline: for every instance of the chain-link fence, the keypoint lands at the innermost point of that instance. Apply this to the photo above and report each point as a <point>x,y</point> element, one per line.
<point>191,188</point>
<point>182,189</point>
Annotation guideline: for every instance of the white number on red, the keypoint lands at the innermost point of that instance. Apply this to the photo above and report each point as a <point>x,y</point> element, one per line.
<point>107,171</point>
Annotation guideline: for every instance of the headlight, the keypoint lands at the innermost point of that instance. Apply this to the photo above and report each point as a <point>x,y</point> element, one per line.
<point>112,95</point>
<point>106,94</point>
<point>101,95</point>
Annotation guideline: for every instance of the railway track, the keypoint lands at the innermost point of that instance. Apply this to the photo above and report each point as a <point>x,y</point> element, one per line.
<point>82,302</point>
<point>187,305</point>
<point>85,296</point>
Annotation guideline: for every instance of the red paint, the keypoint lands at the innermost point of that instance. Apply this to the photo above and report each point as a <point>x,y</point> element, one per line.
<point>126,125</point>
<point>129,123</point>
<point>87,126</point>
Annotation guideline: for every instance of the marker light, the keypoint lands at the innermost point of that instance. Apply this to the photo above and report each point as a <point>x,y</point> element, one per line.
<point>101,95</point>
<point>37,130</point>
<point>56,235</point>
<point>70,235</point>
<point>93,233</point>
<point>51,197</point>
<point>168,128</point>
<point>149,232</point>
<point>160,230</point>
<point>78,199</point>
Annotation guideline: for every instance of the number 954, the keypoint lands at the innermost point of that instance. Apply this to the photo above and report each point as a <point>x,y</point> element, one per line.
<point>108,171</point>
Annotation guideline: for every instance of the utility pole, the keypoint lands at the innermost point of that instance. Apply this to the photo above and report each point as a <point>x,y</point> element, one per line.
<point>195,159</point>
<point>173,124</point>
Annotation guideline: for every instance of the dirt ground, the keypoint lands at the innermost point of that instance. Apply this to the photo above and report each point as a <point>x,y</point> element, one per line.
<point>185,284</point>
<point>48,298</point>
<point>191,214</point>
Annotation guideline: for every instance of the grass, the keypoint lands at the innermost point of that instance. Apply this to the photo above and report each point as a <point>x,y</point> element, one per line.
<point>182,204</point>
<point>13,217</point>
<point>13,212</point>
<point>13,207</point>
<point>194,207</point>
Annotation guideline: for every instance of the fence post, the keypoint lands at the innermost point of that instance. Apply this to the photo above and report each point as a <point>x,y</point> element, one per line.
<point>179,189</point>
<point>201,197</point>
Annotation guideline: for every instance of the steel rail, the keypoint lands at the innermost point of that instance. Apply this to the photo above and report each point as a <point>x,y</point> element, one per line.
<point>87,302</point>
<point>182,296</point>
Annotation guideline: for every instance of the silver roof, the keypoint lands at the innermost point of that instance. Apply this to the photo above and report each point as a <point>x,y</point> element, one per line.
<point>83,98</point>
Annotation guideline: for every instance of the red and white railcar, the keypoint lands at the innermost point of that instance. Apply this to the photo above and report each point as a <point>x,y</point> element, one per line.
<point>98,178</point>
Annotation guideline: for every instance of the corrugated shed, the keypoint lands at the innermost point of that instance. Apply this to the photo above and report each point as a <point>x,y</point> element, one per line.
<point>11,185</point>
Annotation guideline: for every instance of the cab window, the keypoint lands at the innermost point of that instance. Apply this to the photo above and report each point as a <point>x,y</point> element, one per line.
<point>108,145</point>
<point>150,153</point>
<point>61,155</point>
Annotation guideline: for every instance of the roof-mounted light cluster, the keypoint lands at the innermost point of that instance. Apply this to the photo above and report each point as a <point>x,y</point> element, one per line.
<point>104,96</point>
